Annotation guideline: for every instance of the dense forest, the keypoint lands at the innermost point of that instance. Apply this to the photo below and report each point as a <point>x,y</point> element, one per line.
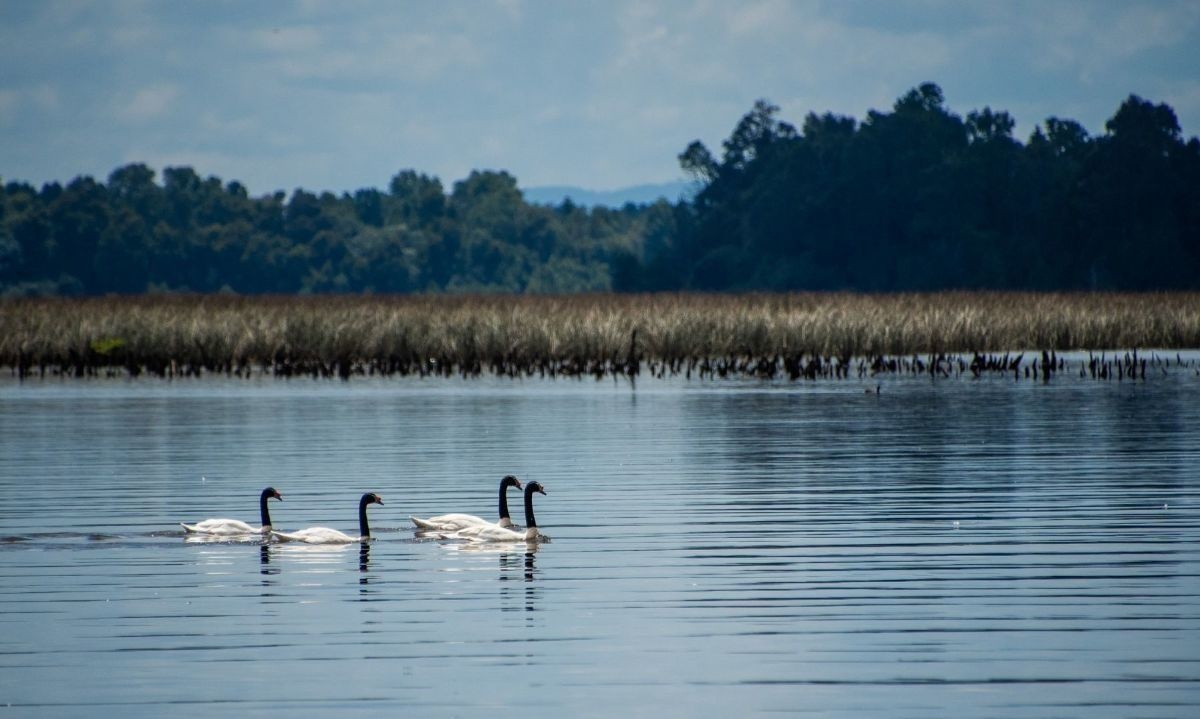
<point>918,198</point>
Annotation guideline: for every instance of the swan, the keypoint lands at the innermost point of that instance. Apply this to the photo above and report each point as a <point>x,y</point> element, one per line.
<point>455,522</point>
<point>325,535</point>
<point>495,533</point>
<point>230,527</point>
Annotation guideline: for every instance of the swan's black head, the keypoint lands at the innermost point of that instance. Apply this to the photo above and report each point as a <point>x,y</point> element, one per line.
<point>270,493</point>
<point>534,487</point>
<point>511,481</point>
<point>370,498</point>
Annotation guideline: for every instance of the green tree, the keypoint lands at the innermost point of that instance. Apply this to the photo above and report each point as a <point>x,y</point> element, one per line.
<point>121,260</point>
<point>416,199</point>
<point>79,216</point>
<point>1136,216</point>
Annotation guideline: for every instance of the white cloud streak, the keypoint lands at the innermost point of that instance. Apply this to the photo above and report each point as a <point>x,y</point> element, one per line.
<point>148,103</point>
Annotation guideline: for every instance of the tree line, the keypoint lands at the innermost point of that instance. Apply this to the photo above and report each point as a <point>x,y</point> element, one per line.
<point>918,198</point>
<point>133,235</point>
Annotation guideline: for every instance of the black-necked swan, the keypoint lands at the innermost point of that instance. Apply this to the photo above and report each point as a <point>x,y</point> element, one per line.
<point>325,535</point>
<point>493,533</point>
<point>455,522</point>
<point>231,527</point>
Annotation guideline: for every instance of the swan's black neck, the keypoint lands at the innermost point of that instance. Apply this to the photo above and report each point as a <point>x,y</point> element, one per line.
<point>504,501</point>
<point>530,520</point>
<point>363,529</point>
<point>264,515</point>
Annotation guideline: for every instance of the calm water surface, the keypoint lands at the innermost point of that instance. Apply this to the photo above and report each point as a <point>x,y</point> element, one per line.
<point>959,548</point>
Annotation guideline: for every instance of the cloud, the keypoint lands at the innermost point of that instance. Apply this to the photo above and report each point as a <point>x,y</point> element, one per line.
<point>9,100</point>
<point>1148,27</point>
<point>597,94</point>
<point>1184,98</point>
<point>752,19</point>
<point>28,102</point>
<point>45,97</point>
<point>148,103</point>
<point>288,39</point>
<point>215,122</point>
<point>1093,41</point>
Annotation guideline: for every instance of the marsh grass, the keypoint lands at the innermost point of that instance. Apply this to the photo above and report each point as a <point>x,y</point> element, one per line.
<point>796,335</point>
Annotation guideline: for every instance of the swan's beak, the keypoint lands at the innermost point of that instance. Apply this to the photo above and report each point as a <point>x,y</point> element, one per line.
<point>519,486</point>
<point>379,501</point>
<point>541,490</point>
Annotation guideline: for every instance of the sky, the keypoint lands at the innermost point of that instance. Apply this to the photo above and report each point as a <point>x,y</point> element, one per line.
<point>338,96</point>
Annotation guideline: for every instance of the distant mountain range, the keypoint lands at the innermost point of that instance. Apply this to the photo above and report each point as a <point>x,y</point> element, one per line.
<point>637,194</point>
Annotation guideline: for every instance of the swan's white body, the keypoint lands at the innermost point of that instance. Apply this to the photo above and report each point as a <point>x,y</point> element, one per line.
<point>236,527</point>
<point>459,521</point>
<point>455,522</point>
<point>318,535</point>
<point>227,527</point>
<point>493,533</point>
<point>325,535</point>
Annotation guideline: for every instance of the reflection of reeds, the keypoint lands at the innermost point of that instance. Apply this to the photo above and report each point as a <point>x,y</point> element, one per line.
<point>793,334</point>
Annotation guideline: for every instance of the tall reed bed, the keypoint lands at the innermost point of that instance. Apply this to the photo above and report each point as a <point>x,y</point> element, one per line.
<point>573,335</point>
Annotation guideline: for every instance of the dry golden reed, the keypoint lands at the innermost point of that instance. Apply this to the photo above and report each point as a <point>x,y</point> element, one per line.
<point>576,334</point>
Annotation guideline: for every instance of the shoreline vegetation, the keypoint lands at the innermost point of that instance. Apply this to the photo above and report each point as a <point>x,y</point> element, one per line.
<point>794,336</point>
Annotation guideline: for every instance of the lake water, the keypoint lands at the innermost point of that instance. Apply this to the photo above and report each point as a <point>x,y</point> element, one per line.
<point>940,549</point>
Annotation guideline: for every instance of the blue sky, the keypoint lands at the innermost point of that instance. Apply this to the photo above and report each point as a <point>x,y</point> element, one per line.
<point>604,94</point>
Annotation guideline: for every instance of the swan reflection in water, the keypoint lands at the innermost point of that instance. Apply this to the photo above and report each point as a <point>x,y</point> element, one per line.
<point>511,560</point>
<point>269,581</point>
<point>364,563</point>
<point>223,538</point>
<point>512,555</point>
<point>306,552</point>
<point>505,550</point>
<point>313,558</point>
<point>521,558</point>
<point>264,560</point>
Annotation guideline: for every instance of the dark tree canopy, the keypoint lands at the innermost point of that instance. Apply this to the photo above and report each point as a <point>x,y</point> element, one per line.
<point>917,198</point>
<point>923,199</point>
